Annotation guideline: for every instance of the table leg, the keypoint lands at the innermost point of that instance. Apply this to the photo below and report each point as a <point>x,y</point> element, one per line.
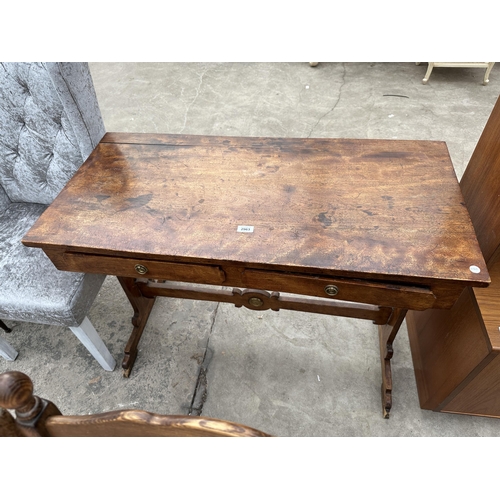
<point>387,334</point>
<point>142,308</point>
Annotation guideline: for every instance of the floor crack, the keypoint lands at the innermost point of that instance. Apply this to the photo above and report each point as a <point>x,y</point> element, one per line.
<point>201,387</point>
<point>198,89</point>
<point>334,106</point>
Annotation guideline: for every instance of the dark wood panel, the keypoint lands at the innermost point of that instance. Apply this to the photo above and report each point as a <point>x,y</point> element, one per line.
<point>364,291</point>
<point>138,268</point>
<point>455,352</point>
<point>488,301</point>
<point>481,396</point>
<point>447,347</point>
<point>480,186</point>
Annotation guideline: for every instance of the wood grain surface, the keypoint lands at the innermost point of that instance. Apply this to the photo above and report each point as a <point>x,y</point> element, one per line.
<point>456,352</point>
<point>37,417</point>
<point>353,208</point>
<point>139,423</point>
<point>447,348</point>
<point>480,185</point>
<point>488,301</point>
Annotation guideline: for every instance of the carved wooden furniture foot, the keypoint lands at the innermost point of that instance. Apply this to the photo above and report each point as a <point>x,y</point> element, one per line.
<point>387,334</point>
<point>142,308</point>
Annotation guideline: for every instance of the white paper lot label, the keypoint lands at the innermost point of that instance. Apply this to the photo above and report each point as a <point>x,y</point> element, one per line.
<point>245,229</point>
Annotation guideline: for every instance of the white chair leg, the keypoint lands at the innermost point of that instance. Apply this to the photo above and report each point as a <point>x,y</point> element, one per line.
<point>88,336</point>
<point>428,74</point>
<point>487,73</point>
<point>7,351</point>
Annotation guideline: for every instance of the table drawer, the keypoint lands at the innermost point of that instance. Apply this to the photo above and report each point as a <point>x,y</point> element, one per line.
<point>139,268</point>
<point>364,291</point>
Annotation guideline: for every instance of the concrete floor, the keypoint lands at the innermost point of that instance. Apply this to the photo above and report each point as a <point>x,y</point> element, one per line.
<point>286,373</point>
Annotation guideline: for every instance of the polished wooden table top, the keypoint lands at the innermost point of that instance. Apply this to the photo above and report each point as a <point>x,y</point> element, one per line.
<point>378,209</point>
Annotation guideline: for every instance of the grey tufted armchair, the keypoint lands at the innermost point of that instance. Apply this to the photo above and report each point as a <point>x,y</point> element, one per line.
<point>49,124</point>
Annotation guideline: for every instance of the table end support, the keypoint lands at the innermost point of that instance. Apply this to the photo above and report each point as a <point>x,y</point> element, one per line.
<point>387,334</point>
<point>142,308</point>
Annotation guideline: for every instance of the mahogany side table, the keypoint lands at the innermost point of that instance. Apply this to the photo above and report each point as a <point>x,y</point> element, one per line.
<point>358,228</point>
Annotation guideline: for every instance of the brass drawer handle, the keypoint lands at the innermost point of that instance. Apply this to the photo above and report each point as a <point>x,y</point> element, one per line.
<point>141,269</point>
<point>331,290</point>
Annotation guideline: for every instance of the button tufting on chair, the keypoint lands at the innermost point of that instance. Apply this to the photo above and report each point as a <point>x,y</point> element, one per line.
<point>50,124</point>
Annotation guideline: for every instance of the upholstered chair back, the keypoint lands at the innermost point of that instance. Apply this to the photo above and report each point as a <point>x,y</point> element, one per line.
<point>4,200</point>
<point>50,123</point>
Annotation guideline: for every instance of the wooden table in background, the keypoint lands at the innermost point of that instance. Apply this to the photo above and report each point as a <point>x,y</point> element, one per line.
<point>357,228</point>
